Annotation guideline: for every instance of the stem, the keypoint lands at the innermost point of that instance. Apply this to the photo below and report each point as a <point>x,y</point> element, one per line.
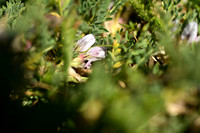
<point>59,7</point>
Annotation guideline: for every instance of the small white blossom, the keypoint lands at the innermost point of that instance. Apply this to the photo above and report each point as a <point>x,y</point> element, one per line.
<point>85,55</point>
<point>94,54</point>
<point>190,32</point>
<point>85,43</point>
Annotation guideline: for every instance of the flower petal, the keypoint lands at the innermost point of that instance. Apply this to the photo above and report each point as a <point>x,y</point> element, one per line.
<point>85,43</point>
<point>94,54</point>
<point>190,32</point>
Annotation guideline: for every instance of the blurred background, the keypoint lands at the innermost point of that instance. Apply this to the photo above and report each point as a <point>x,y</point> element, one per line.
<point>148,81</point>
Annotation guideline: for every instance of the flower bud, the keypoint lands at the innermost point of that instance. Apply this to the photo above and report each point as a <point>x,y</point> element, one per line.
<point>85,43</point>
<point>190,32</point>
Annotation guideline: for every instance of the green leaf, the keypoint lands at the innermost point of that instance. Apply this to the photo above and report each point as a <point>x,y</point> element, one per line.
<point>109,19</point>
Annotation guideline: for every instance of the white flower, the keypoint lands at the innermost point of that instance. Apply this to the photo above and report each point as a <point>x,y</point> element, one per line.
<point>85,55</point>
<point>85,43</point>
<point>190,32</point>
<point>94,54</point>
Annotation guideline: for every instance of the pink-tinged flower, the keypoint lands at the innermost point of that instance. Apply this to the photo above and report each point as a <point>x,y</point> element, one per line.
<point>190,32</point>
<point>94,54</point>
<point>86,54</point>
<point>85,43</point>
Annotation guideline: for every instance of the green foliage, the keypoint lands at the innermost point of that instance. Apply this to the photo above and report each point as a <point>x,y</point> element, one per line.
<point>141,10</point>
<point>173,9</point>
<point>11,11</point>
<point>148,82</point>
<point>96,13</point>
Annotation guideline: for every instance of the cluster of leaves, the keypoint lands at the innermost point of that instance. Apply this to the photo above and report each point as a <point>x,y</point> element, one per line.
<point>11,11</point>
<point>95,13</point>
<point>148,82</point>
